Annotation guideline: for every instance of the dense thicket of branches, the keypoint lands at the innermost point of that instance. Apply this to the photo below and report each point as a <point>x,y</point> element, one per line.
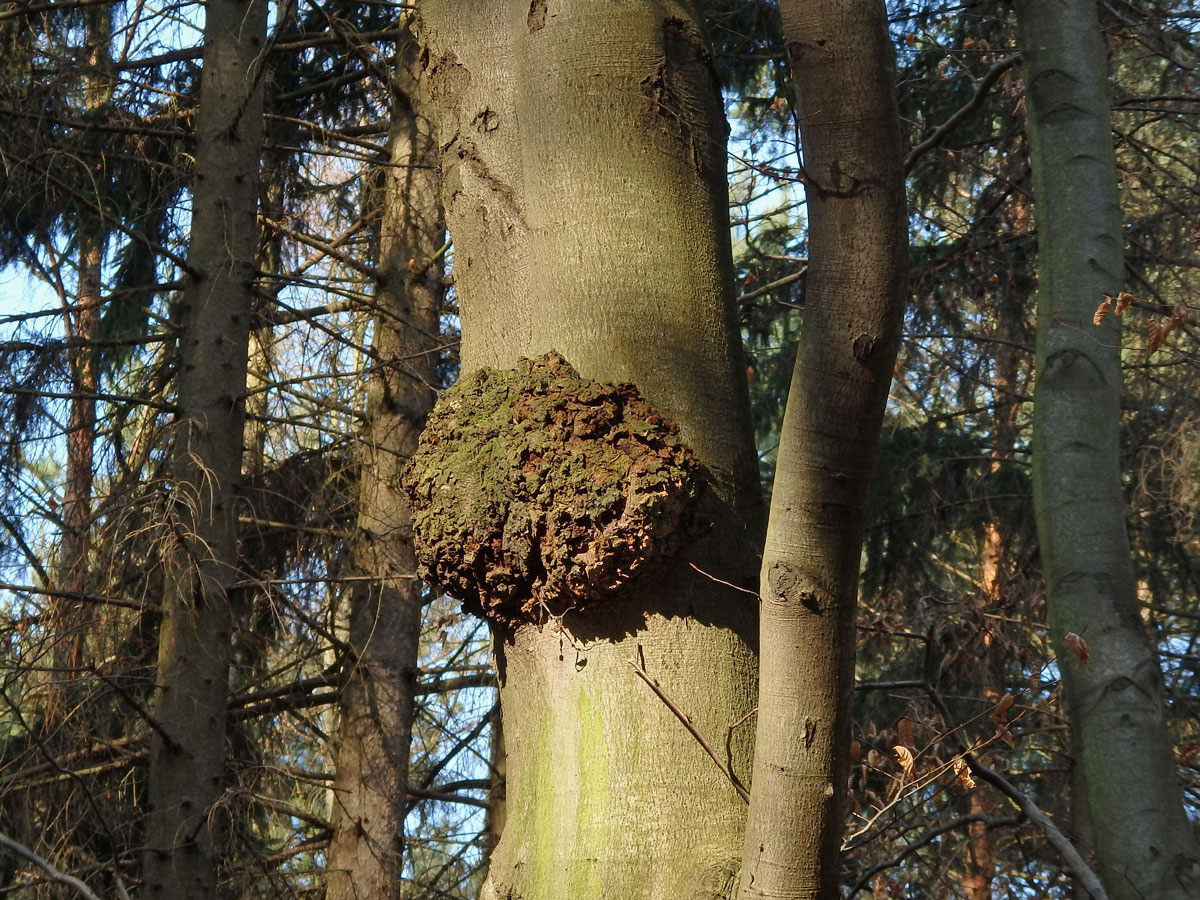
<point>98,104</point>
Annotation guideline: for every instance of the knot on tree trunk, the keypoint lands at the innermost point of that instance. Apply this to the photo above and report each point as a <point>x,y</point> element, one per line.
<point>535,491</point>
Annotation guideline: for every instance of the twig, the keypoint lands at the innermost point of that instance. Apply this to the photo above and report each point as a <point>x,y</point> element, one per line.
<point>981,89</point>
<point>729,736</point>
<point>927,838</point>
<point>52,873</point>
<point>770,286</point>
<point>695,732</point>
<point>1070,854</point>
<point>173,745</point>
<point>753,594</point>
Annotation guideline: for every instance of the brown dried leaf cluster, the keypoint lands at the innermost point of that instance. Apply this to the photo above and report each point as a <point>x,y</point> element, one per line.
<point>1157,327</point>
<point>962,772</point>
<point>1118,306</point>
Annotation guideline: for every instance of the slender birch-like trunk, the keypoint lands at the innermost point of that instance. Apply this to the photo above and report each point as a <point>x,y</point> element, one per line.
<point>850,134</point>
<point>1141,836</point>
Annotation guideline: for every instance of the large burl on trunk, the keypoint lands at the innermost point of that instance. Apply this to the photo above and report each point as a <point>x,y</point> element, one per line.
<point>535,491</point>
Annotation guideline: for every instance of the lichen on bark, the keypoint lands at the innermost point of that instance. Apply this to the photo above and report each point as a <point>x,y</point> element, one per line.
<point>535,491</point>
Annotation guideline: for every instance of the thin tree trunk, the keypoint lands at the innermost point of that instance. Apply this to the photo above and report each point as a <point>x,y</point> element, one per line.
<point>187,758</point>
<point>1141,835</point>
<point>584,166</point>
<point>376,712</point>
<point>72,619</point>
<point>850,135</point>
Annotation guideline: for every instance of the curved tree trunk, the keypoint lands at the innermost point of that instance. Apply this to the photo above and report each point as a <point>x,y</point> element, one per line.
<point>187,756</point>
<point>1141,835</point>
<point>370,790</point>
<point>584,180</point>
<point>854,183</point>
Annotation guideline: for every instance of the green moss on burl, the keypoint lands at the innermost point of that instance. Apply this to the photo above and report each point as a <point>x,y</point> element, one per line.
<point>535,491</point>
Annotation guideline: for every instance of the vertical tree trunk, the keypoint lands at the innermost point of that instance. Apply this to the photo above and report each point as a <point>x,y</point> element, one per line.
<point>584,165</point>
<point>840,56</point>
<point>1115,702</point>
<point>187,757</point>
<point>72,618</point>
<point>370,790</point>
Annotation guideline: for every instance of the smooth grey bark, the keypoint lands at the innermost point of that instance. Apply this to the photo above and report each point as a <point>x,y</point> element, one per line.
<point>857,282</point>
<point>1141,836</point>
<point>187,757</point>
<point>583,158</point>
<point>376,708</point>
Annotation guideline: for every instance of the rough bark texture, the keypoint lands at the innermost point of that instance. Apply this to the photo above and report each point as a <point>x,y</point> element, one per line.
<point>376,711</point>
<point>1141,836</point>
<point>850,135</point>
<point>535,492</point>
<point>183,826</point>
<point>72,620</point>
<point>584,167</point>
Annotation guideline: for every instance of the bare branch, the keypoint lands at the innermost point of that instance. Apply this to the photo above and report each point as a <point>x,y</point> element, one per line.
<point>981,91</point>
<point>52,873</point>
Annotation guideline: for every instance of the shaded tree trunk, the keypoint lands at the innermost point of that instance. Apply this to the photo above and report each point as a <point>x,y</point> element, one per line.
<point>187,757</point>
<point>854,183</point>
<point>376,712</point>
<point>73,618</point>
<point>1141,835</point>
<point>583,159</point>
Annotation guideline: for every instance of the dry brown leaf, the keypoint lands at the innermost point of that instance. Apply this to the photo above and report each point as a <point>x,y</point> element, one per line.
<point>1188,753</point>
<point>855,751</point>
<point>907,763</point>
<point>1035,677</point>
<point>962,772</point>
<point>1078,646</point>
<point>1124,301</point>
<point>1101,312</point>
<point>999,715</point>
<point>904,730</point>
<point>1156,332</point>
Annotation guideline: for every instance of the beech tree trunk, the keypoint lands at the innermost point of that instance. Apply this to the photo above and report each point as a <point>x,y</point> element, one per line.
<point>857,282</point>
<point>370,790</point>
<point>187,757</point>
<point>1142,838</point>
<point>583,160</point>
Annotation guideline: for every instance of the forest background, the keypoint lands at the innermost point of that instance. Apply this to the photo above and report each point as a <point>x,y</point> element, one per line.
<point>324,779</point>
